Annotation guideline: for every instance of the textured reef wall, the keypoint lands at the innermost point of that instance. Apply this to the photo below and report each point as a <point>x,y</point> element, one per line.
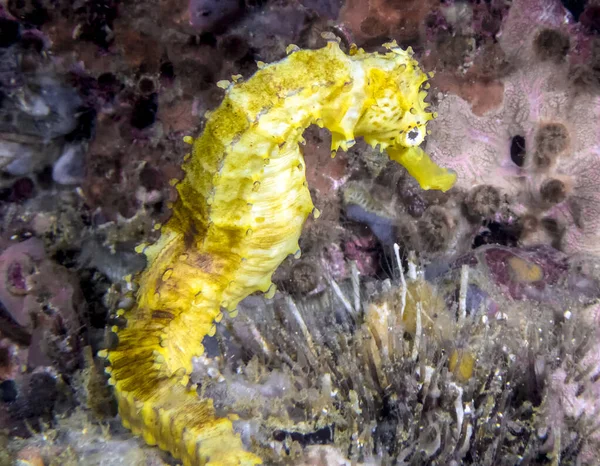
<point>417,327</point>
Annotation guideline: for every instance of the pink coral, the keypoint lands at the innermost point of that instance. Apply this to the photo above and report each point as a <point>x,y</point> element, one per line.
<point>517,31</point>
<point>363,250</point>
<point>536,97</point>
<point>42,304</point>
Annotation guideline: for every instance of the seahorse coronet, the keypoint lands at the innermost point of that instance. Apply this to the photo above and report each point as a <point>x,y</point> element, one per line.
<point>240,211</point>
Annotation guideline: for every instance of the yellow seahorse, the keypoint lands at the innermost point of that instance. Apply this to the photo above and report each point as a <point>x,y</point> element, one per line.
<point>241,208</point>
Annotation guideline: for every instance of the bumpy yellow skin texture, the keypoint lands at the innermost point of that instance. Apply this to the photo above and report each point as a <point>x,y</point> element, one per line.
<point>241,208</point>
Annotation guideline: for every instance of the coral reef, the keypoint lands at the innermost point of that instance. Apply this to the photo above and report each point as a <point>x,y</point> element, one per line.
<point>397,211</point>
<point>417,327</point>
<point>404,385</point>
<point>40,305</point>
<point>38,110</point>
<point>41,313</point>
<point>540,148</point>
<point>207,15</point>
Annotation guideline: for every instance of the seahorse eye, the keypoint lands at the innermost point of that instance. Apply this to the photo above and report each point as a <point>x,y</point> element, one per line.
<point>414,137</point>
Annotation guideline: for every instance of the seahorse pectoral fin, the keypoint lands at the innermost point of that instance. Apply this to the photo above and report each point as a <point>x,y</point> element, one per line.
<point>428,174</point>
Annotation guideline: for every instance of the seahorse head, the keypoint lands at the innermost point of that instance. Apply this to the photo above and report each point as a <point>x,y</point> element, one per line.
<point>394,112</point>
